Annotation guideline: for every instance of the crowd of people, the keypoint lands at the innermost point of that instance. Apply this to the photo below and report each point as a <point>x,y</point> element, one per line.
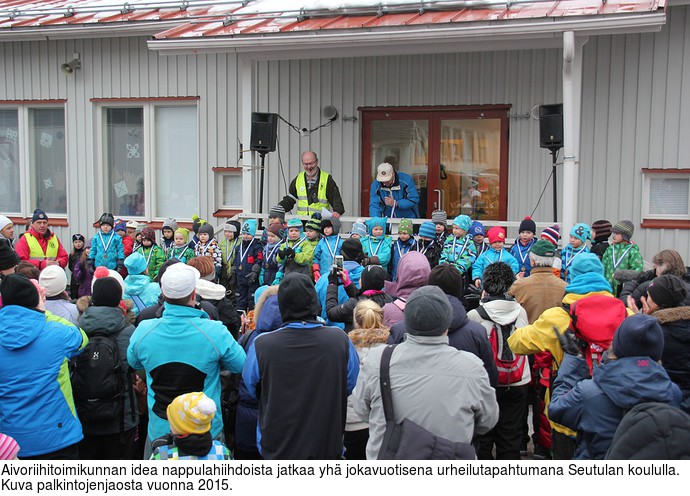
<point>229,341</point>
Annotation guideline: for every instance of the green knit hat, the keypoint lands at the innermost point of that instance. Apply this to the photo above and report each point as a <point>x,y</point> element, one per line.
<point>405,227</point>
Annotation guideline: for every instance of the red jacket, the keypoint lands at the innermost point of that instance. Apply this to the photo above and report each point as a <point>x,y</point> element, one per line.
<point>22,248</point>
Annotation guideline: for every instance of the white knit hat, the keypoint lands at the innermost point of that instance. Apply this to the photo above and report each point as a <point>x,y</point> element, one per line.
<point>179,280</point>
<point>53,279</point>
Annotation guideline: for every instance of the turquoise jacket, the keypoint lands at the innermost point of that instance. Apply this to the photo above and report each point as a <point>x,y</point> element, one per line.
<point>106,250</point>
<point>35,408</point>
<point>492,256</point>
<point>140,285</point>
<point>380,246</point>
<point>459,252</point>
<point>325,251</point>
<point>181,352</point>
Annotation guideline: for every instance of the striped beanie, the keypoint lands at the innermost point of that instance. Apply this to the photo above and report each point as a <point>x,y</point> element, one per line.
<point>552,234</point>
<point>439,217</point>
<point>427,230</point>
<point>359,228</point>
<point>602,228</point>
<point>625,228</point>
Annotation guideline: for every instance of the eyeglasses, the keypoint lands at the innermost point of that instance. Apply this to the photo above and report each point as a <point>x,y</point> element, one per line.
<point>313,162</point>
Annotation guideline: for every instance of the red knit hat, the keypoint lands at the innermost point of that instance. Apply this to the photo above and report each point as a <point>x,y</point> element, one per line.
<point>495,234</point>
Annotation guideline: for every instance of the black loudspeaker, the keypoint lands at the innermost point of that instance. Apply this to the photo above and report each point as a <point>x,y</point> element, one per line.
<point>264,132</point>
<point>551,126</point>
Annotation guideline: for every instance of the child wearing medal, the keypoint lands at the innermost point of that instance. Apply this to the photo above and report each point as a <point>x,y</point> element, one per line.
<point>208,247</point>
<point>247,265</point>
<point>180,248</point>
<point>458,249</point>
<point>495,253</point>
<point>401,246</point>
<point>579,235</point>
<point>295,253</point>
<point>270,266</point>
<point>622,254</point>
<point>523,245</point>
<point>426,243</point>
<point>377,246</point>
<point>327,248</point>
<point>106,246</point>
<point>151,252</point>
<point>228,249</point>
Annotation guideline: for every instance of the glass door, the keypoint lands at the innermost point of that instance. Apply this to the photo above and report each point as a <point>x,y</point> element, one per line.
<point>457,156</point>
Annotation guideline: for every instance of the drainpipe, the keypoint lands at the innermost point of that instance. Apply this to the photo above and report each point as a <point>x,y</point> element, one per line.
<point>572,91</point>
<point>246,80</point>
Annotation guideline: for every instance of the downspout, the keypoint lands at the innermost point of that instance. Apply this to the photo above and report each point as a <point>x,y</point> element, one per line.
<point>571,124</point>
<point>246,69</point>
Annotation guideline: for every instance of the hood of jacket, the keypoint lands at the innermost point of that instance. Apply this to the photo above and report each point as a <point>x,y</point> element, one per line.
<point>136,284</point>
<point>632,380</point>
<point>209,290</point>
<point>22,326</point>
<point>588,282</point>
<point>109,320</point>
<point>571,298</point>
<point>413,272</point>
<point>269,319</point>
<point>459,319</point>
<point>502,312</point>
<point>675,321</point>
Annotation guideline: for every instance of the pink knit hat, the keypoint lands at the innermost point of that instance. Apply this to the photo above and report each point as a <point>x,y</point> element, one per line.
<point>8,448</point>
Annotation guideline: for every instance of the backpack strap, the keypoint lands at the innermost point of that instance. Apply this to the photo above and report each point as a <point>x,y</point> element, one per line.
<point>504,352</point>
<point>138,302</point>
<point>385,382</point>
<point>482,312</point>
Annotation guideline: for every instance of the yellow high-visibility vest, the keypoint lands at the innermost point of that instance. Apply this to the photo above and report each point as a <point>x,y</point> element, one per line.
<point>303,205</point>
<point>36,252</point>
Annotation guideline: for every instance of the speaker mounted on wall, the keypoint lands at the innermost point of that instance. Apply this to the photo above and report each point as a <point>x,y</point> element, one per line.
<point>551,126</point>
<point>264,132</point>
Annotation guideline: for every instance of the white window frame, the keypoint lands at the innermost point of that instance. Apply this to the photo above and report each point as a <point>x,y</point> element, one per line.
<point>647,176</point>
<point>220,177</point>
<point>27,195</point>
<point>149,140</point>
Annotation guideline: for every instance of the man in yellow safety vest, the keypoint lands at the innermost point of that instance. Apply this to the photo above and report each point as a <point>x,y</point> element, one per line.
<point>313,190</point>
<point>39,245</point>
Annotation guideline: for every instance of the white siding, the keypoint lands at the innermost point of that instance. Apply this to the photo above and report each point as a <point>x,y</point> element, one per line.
<point>124,68</point>
<point>635,112</point>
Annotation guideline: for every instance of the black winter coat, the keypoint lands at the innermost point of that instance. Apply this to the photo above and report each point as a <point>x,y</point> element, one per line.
<point>638,288</point>
<point>344,312</point>
<point>675,322</point>
<point>463,334</point>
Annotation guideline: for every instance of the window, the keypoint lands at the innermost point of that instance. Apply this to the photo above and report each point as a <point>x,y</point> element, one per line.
<point>150,159</point>
<point>666,198</point>
<point>33,163</point>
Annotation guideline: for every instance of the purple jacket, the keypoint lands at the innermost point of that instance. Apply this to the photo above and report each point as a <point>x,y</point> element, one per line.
<point>83,276</point>
<point>413,273</point>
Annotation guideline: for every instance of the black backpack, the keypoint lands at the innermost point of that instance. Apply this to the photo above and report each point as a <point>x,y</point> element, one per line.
<point>99,383</point>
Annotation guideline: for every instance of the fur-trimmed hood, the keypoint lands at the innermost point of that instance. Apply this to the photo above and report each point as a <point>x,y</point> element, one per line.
<point>365,338</point>
<point>668,315</point>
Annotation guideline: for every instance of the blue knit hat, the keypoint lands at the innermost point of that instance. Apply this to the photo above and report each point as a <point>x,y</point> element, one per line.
<point>477,228</point>
<point>581,231</point>
<point>359,228</point>
<point>376,221</point>
<point>38,215</point>
<point>639,335</point>
<point>427,230</point>
<point>463,222</point>
<point>295,222</point>
<point>135,263</point>
<point>249,227</point>
<point>585,263</point>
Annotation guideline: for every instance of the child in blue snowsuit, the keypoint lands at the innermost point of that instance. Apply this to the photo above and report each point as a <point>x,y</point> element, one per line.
<point>248,265</point>
<point>106,246</point>
<point>328,247</point>
<point>496,253</point>
<point>523,245</point>
<point>579,235</point>
<point>401,246</point>
<point>377,244</point>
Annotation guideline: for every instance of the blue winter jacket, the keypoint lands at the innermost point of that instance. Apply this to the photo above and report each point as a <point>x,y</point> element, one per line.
<point>181,352</point>
<point>322,252</point>
<point>142,287</point>
<point>521,254</point>
<point>459,252</point>
<point>594,407</point>
<point>379,246</point>
<point>354,270</point>
<point>106,258</point>
<point>34,409</point>
<point>404,192</point>
<point>491,256</point>
<point>567,256</point>
<point>399,249</point>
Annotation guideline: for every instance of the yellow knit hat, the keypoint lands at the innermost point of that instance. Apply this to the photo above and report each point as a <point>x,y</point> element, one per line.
<point>184,232</point>
<point>191,413</point>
